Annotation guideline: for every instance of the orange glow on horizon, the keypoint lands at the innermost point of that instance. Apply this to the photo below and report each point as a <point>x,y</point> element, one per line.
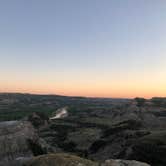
<point>120,87</point>
<point>86,93</point>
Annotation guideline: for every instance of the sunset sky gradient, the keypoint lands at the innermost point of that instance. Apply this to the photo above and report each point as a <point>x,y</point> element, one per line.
<point>100,48</point>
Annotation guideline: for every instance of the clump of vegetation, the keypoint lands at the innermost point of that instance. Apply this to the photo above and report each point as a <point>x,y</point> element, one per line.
<point>140,101</point>
<point>159,101</point>
<point>38,119</point>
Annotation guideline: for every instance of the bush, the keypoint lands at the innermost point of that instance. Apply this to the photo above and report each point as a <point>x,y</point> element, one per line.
<point>159,102</point>
<point>140,101</point>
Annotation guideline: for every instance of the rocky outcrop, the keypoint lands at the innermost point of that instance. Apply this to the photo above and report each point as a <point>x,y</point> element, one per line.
<point>19,140</point>
<point>14,137</point>
<point>60,159</point>
<point>123,163</point>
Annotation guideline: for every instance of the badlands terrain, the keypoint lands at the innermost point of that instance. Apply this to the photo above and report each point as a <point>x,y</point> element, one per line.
<point>50,130</point>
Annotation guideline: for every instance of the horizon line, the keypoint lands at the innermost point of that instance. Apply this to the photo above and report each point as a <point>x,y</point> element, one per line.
<point>62,95</point>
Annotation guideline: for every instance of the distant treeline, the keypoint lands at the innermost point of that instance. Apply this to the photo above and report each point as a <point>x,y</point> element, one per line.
<point>155,101</point>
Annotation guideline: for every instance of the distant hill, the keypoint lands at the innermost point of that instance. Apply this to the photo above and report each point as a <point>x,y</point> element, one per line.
<point>15,106</point>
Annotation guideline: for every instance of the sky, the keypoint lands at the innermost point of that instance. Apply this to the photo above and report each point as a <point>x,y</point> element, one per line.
<point>97,48</point>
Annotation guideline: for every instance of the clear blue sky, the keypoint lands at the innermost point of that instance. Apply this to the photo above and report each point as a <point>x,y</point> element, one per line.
<point>113,48</point>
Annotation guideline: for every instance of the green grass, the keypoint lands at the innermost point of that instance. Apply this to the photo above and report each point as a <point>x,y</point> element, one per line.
<point>17,115</point>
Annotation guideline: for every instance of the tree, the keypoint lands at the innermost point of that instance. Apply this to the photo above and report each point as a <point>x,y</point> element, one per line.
<point>159,101</point>
<point>140,101</point>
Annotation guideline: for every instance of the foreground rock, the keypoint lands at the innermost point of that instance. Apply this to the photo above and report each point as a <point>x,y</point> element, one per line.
<point>123,163</point>
<point>14,138</point>
<point>18,141</point>
<point>60,159</point>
